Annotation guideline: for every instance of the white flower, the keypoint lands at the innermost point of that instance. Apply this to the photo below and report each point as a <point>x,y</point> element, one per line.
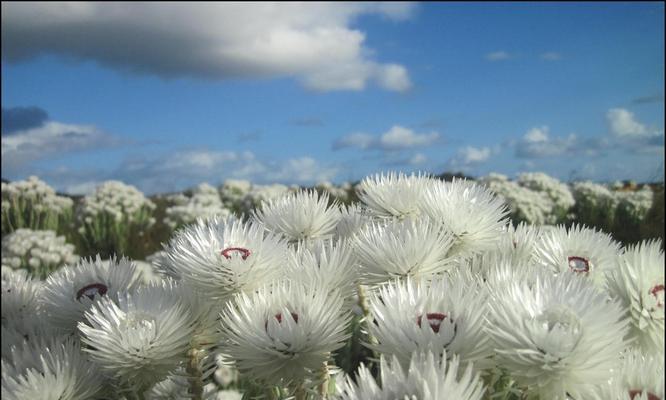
<point>411,247</point>
<point>559,337</point>
<point>638,283</point>
<point>393,195</point>
<point>304,215</point>
<point>579,249</point>
<point>70,291</point>
<point>470,212</point>
<point>429,377</point>
<point>205,202</point>
<point>40,252</point>
<point>51,370</point>
<point>220,257</point>
<point>353,218</point>
<point>445,314</point>
<point>283,333</point>
<point>140,338</point>
<point>519,243</point>
<point>326,266</point>
<point>20,303</point>
<point>641,377</point>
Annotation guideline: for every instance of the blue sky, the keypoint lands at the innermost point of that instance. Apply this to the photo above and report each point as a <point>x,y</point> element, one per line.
<point>165,96</point>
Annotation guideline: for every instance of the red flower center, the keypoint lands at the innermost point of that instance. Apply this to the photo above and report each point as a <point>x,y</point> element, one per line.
<point>92,290</point>
<point>278,317</point>
<point>434,319</point>
<point>635,392</point>
<point>579,264</point>
<point>245,253</point>
<point>658,293</point>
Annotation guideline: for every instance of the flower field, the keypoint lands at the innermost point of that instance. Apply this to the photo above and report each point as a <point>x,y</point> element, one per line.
<point>395,287</point>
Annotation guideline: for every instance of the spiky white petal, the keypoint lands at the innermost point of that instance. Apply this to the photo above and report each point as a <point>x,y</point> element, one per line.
<point>393,249</point>
<point>578,249</point>
<point>53,369</point>
<point>558,337</point>
<point>141,338</point>
<point>283,333</point>
<point>220,257</point>
<point>304,215</point>
<point>428,377</point>
<point>641,377</point>
<point>472,213</point>
<point>445,314</point>
<point>638,283</point>
<point>69,292</point>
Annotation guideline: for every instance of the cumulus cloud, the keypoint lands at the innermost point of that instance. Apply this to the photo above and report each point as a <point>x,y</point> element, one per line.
<point>312,42</point>
<point>469,156</point>
<point>498,56</point>
<point>396,138</point>
<point>551,56</point>
<point>623,124</point>
<point>537,143</point>
<point>21,118</point>
<point>50,139</point>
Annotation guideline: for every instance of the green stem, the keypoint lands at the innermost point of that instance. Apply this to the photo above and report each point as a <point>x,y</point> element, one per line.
<point>195,374</point>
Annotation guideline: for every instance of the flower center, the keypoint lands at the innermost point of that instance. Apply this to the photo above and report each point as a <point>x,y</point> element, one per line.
<point>579,264</point>
<point>434,319</point>
<point>245,253</point>
<point>658,293</point>
<point>636,392</point>
<point>278,317</point>
<point>92,290</point>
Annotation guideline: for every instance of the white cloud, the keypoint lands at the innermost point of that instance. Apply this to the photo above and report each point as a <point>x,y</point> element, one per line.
<point>470,156</point>
<point>498,56</point>
<point>396,138</point>
<point>623,124</point>
<point>49,140</point>
<point>312,42</point>
<point>537,143</point>
<point>399,137</point>
<point>551,56</point>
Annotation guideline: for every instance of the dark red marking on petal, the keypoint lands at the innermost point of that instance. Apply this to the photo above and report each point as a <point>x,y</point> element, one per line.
<point>579,264</point>
<point>91,290</point>
<point>245,253</point>
<point>278,316</point>
<point>635,392</point>
<point>654,291</point>
<point>434,319</point>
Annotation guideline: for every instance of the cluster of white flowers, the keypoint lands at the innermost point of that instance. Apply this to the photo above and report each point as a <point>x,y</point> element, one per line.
<point>39,252</point>
<point>558,192</point>
<point>525,204</point>
<point>340,192</point>
<point>108,216</point>
<point>634,204</point>
<point>120,201</point>
<point>203,203</point>
<point>34,205</point>
<point>429,277</point>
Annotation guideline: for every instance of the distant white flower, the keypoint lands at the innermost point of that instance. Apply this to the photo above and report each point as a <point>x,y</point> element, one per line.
<point>393,195</point>
<point>469,211</point>
<point>445,314</point>
<point>283,333</point>
<point>559,337</point>
<point>69,292</point>
<point>393,249</point>
<point>220,257</point>
<point>429,377</point>
<point>638,283</point>
<point>55,369</point>
<point>304,215</point>
<point>205,202</point>
<point>140,338</point>
<point>584,251</point>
